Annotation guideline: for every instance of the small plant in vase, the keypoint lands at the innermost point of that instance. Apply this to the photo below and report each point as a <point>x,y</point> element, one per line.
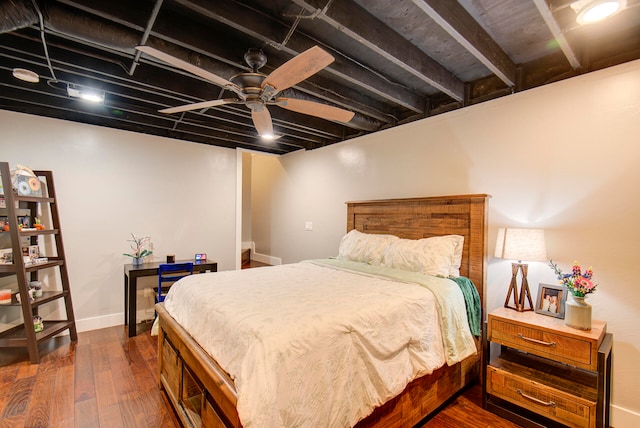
<point>579,284</point>
<point>139,248</point>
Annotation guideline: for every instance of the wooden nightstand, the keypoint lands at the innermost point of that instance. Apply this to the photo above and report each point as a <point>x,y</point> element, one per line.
<point>544,373</point>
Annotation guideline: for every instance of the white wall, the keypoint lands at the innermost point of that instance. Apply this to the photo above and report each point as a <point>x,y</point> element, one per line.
<point>562,157</point>
<point>111,183</point>
<point>246,199</point>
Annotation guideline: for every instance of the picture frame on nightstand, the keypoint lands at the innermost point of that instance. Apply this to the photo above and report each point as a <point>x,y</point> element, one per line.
<point>551,300</point>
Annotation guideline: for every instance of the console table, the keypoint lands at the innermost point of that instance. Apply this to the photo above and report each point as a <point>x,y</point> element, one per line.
<point>131,275</point>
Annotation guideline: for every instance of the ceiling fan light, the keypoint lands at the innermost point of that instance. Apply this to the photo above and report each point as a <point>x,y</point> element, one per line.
<point>270,137</point>
<point>597,10</point>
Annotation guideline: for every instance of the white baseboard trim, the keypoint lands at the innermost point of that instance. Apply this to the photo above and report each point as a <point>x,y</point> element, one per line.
<point>622,418</point>
<point>263,258</point>
<point>105,321</point>
<point>95,323</point>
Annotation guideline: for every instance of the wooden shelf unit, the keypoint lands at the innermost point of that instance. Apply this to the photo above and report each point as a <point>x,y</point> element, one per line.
<point>541,373</point>
<point>24,334</point>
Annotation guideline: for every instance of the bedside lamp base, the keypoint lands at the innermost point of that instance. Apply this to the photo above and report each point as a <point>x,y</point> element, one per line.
<point>524,294</point>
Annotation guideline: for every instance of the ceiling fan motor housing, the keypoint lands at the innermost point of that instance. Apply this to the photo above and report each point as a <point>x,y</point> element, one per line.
<point>251,88</point>
<point>255,58</point>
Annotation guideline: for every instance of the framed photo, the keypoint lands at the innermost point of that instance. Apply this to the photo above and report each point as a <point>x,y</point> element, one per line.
<point>6,256</point>
<point>31,251</point>
<point>24,220</point>
<point>551,299</point>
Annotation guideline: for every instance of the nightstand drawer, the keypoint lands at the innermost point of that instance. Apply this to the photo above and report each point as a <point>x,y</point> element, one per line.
<point>559,347</point>
<point>541,399</point>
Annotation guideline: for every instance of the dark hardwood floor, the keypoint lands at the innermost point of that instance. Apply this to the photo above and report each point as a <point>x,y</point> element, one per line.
<point>107,380</point>
<point>466,410</point>
<point>103,380</point>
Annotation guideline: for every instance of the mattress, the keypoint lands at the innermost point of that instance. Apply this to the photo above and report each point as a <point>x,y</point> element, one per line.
<point>323,342</point>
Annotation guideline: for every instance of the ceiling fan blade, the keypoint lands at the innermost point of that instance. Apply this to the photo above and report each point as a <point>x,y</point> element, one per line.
<point>296,70</point>
<point>262,122</point>
<point>197,106</point>
<point>311,108</point>
<point>184,65</point>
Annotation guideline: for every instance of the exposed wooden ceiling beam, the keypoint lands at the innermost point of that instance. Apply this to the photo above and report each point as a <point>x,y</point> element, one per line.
<point>460,25</point>
<point>379,38</point>
<point>547,15</point>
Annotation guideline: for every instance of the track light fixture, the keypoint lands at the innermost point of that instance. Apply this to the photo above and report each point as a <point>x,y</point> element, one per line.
<point>85,93</point>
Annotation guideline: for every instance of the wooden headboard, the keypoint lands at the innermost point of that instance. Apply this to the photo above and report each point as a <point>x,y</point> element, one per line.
<point>417,218</point>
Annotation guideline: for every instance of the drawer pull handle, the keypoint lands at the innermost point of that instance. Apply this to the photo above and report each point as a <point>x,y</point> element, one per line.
<point>539,342</point>
<point>535,400</point>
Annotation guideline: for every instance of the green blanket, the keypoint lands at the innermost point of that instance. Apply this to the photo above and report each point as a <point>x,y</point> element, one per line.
<point>472,301</point>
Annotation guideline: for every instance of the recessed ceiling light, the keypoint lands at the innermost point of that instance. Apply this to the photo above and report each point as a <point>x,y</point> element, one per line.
<point>26,75</point>
<point>590,11</point>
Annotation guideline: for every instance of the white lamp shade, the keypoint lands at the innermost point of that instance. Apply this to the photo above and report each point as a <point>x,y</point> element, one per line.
<point>521,244</point>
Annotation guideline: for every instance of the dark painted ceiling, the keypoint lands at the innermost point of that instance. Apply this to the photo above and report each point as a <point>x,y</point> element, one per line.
<point>395,61</point>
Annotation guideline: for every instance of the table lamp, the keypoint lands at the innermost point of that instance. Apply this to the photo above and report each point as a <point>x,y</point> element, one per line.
<point>520,244</point>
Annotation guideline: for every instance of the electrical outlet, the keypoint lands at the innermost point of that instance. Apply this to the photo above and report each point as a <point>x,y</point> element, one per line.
<point>308,225</point>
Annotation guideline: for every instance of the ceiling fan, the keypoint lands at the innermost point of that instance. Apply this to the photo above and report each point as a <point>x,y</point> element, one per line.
<point>257,90</point>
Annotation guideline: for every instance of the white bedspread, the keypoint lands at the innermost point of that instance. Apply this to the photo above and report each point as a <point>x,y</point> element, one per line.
<point>311,345</point>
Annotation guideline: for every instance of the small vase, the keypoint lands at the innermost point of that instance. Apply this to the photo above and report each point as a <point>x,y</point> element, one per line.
<point>137,261</point>
<point>577,313</point>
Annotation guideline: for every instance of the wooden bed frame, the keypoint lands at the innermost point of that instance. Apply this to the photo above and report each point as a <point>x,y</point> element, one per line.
<point>204,395</point>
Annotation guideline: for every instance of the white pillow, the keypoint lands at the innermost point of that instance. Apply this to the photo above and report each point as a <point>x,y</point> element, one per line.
<point>364,247</point>
<point>438,255</point>
<point>456,257</point>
